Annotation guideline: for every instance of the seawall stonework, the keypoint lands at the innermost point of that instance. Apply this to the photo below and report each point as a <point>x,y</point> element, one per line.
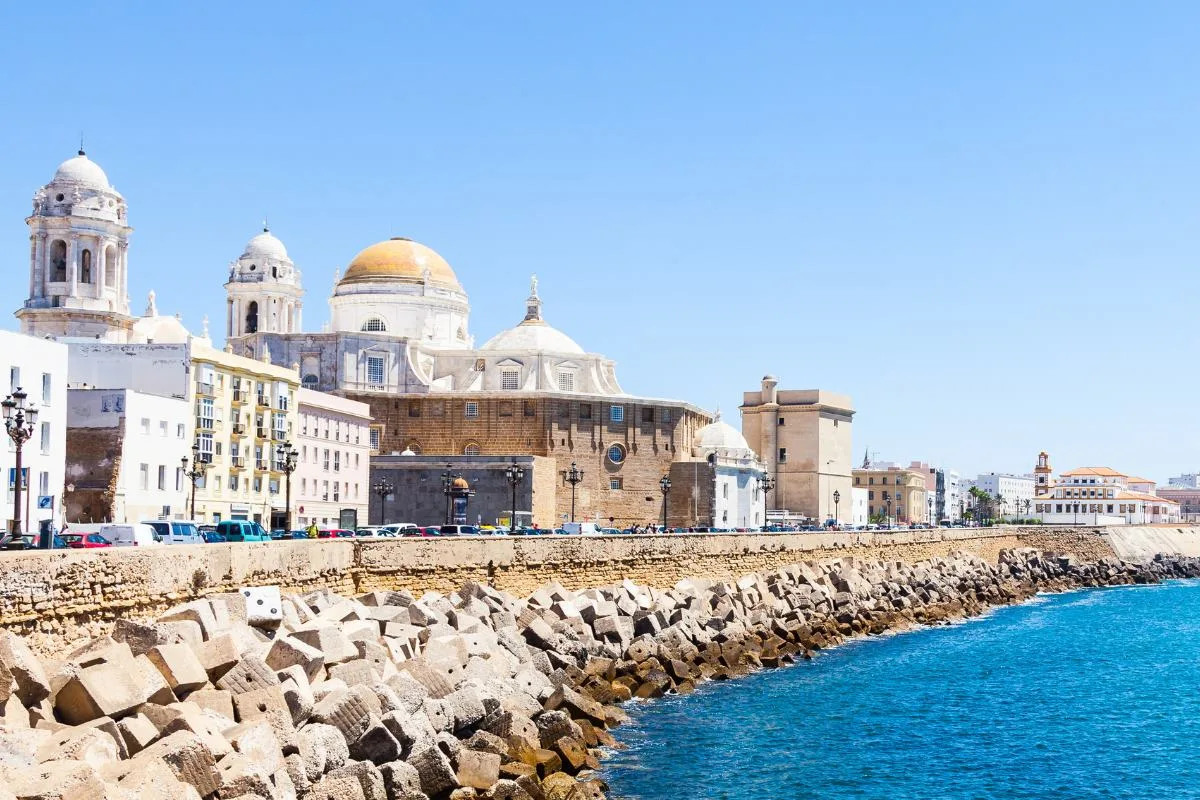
<point>54,598</point>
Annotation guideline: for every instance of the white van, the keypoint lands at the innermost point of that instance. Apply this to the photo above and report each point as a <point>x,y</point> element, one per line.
<point>581,528</point>
<point>175,531</point>
<point>131,534</point>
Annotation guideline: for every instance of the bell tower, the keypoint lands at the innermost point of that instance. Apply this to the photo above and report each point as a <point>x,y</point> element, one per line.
<point>1042,474</point>
<point>263,294</point>
<point>78,257</point>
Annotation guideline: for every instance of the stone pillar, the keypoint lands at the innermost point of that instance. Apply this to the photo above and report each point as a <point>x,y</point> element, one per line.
<point>123,276</point>
<point>37,270</point>
<point>296,323</point>
<point>73,265</point>
<point>101,249</point>
<point>228,317</point>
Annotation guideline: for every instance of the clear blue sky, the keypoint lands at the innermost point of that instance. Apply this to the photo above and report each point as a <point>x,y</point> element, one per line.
<point>978,220</point>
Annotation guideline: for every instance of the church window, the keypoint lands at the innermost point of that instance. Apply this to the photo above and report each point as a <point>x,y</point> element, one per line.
<point>472,409</point>
<point>85,267</point>
<point>648,414</point>
<point>530,408</point>
<point>375,370</point>
<point>376,431</point>
<point>566,381</point>
<point>666,415</point>
<point>310,381</point>
<point>252,317</point>
<point>59,197</point>
<point>616,454</point>
<point>471,449</point>
<point>374,324</point>
<point>510,379</point>
<point>58,261</point>
<point>414,408</point>
<point>506,408</point>
<point>617,413</point>
<point>614,484</point>
<point>783,455</point>
<point>564,409</point>
<point>274,272</point>
<point>585,410</point>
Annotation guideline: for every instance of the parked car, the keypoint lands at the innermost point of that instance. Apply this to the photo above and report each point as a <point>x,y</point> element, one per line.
<point>130,534</point>
<point>458,530</point>
<point>242,530</point>
<point>428,530</point>
<point>175,531</point>
<point>212,537</point>
<point>298,534</point>
<point>368,532</point>
<point>81,541</point>
<point>335,533</point>
<point>11,541</point>
<point>402,528</point>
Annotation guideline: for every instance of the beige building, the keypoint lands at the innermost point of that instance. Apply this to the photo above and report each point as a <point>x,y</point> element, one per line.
<point>245,409</point>
<point>334,463</point>
<point>894,494</point>
<point>803,438</point>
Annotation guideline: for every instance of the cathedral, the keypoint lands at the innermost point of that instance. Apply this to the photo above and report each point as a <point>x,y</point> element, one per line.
<point>399,340</point>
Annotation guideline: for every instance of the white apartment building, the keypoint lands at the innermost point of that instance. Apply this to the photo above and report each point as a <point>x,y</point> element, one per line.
<point>124,460</point>
<point>39,368</point>
<point>333,468</point>
<point>1013,490</point>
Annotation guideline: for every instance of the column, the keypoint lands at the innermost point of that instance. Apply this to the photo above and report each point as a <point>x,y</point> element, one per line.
<point>298,326</point>
<point>73,265</point>
<point>123,276</point>
<point>37,268</point>
<point>229,317</point>
<point>101,249</point>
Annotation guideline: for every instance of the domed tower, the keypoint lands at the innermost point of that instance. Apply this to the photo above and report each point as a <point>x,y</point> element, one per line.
<point>263,294</point>
<point>1042,474</point>
<point>78,257</point>
<point>405,289</point>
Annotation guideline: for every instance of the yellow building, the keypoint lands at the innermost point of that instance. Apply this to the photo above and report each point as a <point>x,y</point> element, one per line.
<point>245,409</point>
<point>894,494</point>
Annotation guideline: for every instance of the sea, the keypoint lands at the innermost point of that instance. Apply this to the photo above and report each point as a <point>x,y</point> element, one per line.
<point>1087,694</point>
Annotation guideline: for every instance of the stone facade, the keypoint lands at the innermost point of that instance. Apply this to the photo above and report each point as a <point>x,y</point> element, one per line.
<point>804,438</point>
<point>897,494</point>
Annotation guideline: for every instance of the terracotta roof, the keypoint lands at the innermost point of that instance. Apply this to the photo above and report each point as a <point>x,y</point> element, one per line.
<point>1101,472</point>
<point>1135,479</point>
<point>1143,496</point>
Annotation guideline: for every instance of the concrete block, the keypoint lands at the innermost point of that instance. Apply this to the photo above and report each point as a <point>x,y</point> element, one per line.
<point>478,770</point>
<point>13,714</point>
<point>288,651</point>
<point>436,774</point>
<point>219,655</point>
<point>257,741</point>
<point>465,706</point>
<point>271,705</point>
<point>209,727</point>
<point>218,701</point>
<point>344,711</point>
<point>188,758</point>
<point>412,731</point>
<point>264,606</point>
<point>153,685</point>
<point>179,666</point>
<point>298,696</point>
<point>25,668</point>
<point>137,732</point>
<point>105,690</point>
<point>328,639</point>
<point>212,617</point>
<point>354,673</point>
<point>89,745</point>
<point>241,778</point>
<point>249,674</point>
<point>376,744</point>
<point>55,780</point>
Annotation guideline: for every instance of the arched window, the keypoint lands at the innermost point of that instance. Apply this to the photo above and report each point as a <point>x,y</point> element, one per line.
<point>85,267</point>
<point>252,317</point>
<point>471,450</point>
<point>415,448</point>
<point>58,261</point>
<point>310,381</point>
<point>274,272</point>
<point>110,266</point>
<point>374,324</point>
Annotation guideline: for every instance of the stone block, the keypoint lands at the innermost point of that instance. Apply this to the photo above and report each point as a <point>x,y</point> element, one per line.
<point>376,744</point>
<point>104,690</point>
<point>212,617</point>
<point>249,674</point>
<point>219,655</point>
<point>209,727</point>
<point>137,732</point>
<point>298,696</point>
<point>344,711</point>
<point>32,684</point>
<point>56,780</point>
<point>436,774</point>
<point>478,770</point>
<point>465,706</point>
<point>369,778</point>
<point>218,701</point>
<point>150,681</point>
<point>268,704</point>
<point>188,758</point>
<point>257,741</point>
<point>288,651</point>
<point>241,778</point>
<point>179,666</point>
<point>357,672</point>
<point>331,642</point>
<point>400,778</point>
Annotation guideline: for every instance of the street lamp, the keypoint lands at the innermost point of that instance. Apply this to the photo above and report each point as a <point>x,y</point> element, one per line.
<point>665,485</point>
<point>573,476</point>
<point>383,487</point>
<point>285,459</point>
<point>515,474</point>
<point>929,516</point>
<point>19,421</point>
<point>887,498</point>
<point>766,483</point>
<point>447,487</point>
<point>194,474</point>
<point>837,497</point>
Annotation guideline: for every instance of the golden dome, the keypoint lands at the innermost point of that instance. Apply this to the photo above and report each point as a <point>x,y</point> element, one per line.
<point>461,483</point>
<point>400,259</point>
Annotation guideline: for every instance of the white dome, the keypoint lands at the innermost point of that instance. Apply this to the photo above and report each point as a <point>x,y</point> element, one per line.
<point>534,336</point>
<point>83,171</point>
<point>718,435</point>
<point>264,246</point>
<point>160,330</point>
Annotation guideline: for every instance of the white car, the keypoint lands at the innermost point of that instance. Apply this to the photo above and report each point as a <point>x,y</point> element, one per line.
<point>130,534</point>
<point>175,531</point>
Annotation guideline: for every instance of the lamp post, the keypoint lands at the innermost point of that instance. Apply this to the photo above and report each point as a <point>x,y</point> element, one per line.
<point>19,421</point>
<point>383,487</point>
<point>887,498</point>
<point>194,474</point>
<point>573,476</point>
<point>665,485</point>
<point>515,474</point>
<point>929,516</point>
<point>766,483</point>
<point>447,486</point>
<point>837,497</point>
<point>285,459</point>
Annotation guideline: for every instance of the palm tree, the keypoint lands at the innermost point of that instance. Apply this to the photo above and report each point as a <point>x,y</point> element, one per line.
<point>999,507</point>
<point>1027,503</point>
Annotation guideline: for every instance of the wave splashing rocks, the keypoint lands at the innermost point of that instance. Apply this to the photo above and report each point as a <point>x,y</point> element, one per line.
<point>476,694</point>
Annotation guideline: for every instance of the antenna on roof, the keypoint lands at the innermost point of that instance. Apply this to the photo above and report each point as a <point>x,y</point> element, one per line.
<point>266,228</point>
<point>81,144</point>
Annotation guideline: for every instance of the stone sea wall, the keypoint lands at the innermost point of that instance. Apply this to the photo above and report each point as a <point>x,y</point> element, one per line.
<point>54,598</point>
<point>475,694</point>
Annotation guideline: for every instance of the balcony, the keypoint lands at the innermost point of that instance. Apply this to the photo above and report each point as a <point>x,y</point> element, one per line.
<point>261,433</point>
<point>279,435</point>
<point>237,462</point>
<point>205,389</point>
<point>261,466</point>
<point>238,429</point>
<point>205,424</point>
<point>239,397</point>
<point>263,401</point>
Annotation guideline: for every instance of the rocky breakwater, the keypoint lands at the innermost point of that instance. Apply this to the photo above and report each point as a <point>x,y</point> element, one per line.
<point>475,694</point>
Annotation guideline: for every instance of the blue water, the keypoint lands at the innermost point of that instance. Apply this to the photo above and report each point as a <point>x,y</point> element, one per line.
<point>1090,694</point>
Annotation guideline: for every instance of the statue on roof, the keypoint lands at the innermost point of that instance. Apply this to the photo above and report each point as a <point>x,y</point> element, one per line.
<point>533,285</point>
<point>151,308</point>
